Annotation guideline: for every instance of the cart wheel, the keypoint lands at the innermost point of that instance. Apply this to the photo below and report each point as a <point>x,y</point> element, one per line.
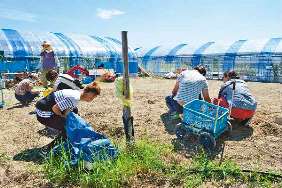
<point>180,131</point>
<point>208,141</point>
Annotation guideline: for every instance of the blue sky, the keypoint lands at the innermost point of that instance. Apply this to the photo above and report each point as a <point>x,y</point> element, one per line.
<point>149,22</point>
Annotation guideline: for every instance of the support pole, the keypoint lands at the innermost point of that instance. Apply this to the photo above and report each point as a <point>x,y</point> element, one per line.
<point>127,118</point>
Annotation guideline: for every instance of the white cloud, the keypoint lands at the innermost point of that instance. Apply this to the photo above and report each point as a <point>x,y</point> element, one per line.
<point>18,15</point>
<point>108,14</point>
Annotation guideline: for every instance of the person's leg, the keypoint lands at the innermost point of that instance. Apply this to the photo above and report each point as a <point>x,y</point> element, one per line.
<point>169,103</point>
<point>246,122</point>
<point>55,122</point>
<point>30,96</point>
<point>175,108</point>
<point>178,107</point>
<point>20,98</point>
<point>43,78</point>
<point>173,105</point>
<point>242,115</point>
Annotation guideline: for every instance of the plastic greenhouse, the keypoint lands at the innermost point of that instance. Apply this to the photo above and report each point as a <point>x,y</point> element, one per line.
<point>21,51</point>
<point>253,60</point>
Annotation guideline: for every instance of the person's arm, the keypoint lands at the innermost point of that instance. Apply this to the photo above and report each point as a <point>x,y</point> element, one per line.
<point>205,91</point>
<point>57,111</point>
<point>67,104</point>
<point>29,86</point>
<point>175,89</point>
<point>56,84</point>
<point>227,92</point>
<point>206,95</point>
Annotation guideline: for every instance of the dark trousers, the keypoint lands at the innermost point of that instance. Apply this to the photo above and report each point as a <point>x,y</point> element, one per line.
<point>55,122</point>
<point>26,98</point>
<point>173,105</point>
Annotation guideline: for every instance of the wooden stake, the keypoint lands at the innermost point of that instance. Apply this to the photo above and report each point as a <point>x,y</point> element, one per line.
<point>127,118</point>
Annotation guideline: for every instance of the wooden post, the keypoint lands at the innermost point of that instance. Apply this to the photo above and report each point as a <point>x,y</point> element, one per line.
<point>127,118</point>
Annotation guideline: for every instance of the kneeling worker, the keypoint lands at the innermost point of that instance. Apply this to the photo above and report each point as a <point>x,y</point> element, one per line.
<point>243,102</point>
<point>189,86</point>
<point>24,92</point>
<point>63,81</point>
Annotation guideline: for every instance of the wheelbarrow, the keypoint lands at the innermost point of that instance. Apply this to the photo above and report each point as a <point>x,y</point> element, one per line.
<point>205,120</point>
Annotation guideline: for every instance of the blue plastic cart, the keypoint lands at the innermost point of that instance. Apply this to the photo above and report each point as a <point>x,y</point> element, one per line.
<point>206,120</point>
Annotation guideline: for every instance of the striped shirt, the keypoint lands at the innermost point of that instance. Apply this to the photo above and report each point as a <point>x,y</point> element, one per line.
<point>191,85</point>
<point>67,80</point>
<point>65,99</point>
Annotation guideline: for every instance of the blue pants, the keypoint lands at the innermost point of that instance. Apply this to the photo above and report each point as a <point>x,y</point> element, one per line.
<point>173,105</point>
<point>26,98</point>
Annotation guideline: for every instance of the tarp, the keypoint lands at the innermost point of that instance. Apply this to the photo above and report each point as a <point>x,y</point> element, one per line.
<point>84,143</point>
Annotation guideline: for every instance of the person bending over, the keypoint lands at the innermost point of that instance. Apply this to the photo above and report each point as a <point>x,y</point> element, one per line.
<point>190,85</point>
<point>63,81</point>
<point>52,110</point>
<point>243,102</point>
<point>24,92</point>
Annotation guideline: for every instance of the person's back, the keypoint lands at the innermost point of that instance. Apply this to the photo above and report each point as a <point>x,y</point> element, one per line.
<point>191,85</point>
<point>242,99</point>
<point>65,81</point>
<point>23,86</point>
<point>48,60</point>
<point>24,93</point>
<point>242,102</point>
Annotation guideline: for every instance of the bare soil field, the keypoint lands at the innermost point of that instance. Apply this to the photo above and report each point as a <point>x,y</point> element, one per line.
<point>256,147</point>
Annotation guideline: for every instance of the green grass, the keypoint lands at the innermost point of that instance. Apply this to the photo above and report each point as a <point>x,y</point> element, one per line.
<point>148,162</point>
<point>143,158</point>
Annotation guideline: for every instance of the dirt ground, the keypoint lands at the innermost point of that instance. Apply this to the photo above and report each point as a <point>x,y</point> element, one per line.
<point>255,147</point>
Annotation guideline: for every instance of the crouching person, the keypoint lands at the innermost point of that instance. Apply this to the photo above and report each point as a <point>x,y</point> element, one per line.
<point>243,102</point>
<point>190,85</point>
<point>63,81</point>
<point>24,92</point>
<point>52,110</point>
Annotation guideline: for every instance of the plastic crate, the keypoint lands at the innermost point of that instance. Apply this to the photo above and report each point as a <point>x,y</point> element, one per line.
<point>87,80</point>
<point>206,116</point>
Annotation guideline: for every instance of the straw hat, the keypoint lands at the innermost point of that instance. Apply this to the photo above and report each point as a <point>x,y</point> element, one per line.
<point>45,44</point>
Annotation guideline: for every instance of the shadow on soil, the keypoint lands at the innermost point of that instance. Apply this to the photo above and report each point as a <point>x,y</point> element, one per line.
<point>190,146</point>
<point>50,133</point>
<point>28,155</point>
<point>170,125</point>
<point>17,105</point>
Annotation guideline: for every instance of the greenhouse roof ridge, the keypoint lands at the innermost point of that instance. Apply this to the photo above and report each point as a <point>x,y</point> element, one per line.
<point>17,43</point>
<point>242,46</point>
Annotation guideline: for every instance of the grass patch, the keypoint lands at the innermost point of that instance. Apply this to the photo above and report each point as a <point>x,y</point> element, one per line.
<point>146,163</point>
<point>144,158</point>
